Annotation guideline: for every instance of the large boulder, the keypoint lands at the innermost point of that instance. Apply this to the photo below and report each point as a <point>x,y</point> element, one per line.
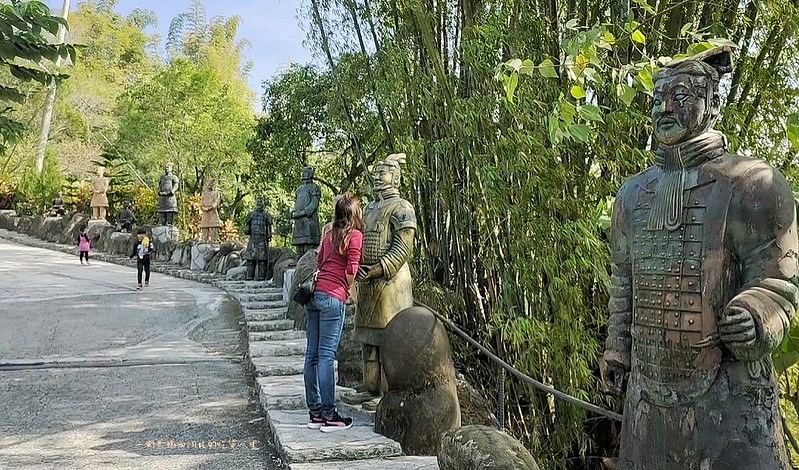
<point>305,267</point>
<point>479,447</point>
<point>475,408</point>
<point>52,228</point>
<point>120,243</point>
<point>72,228</point>
<point>278,257</point>
<point>280,269</point>
<point>8,219</point>
<point>230,246</point>
<point>421,402</point>
<point>200,255</point>
<point>236,274</point>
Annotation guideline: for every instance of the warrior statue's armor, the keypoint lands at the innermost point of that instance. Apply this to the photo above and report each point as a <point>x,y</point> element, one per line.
<point>385,283</point>
<point>167,201</point>
<point>704,249</point>
<point>306,234</point>
<point>380,299</point>
<point>259,227</point>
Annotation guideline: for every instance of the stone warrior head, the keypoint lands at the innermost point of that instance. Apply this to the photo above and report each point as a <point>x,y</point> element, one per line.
<point>308,173</point>
<point>686,98</point>
<point>259,204</point>
<point>168,168</point>
<point>387,173</point>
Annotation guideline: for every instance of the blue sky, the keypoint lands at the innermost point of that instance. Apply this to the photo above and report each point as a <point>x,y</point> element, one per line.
<point>271,26</point>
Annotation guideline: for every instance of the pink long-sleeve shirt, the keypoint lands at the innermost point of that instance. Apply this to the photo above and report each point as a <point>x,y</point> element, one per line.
<point>332,278</point>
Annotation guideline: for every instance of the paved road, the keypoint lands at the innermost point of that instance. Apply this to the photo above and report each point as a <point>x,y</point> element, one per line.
<point>95,375</point>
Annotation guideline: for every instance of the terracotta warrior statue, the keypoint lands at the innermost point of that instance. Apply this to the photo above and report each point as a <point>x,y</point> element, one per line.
<point>100,187</point>
<point>704,263</point>
<point>385,278</point>
<point>57,206</point>
<point>125,218</point>
<point>259,227</point>
<point>210,223</point>
<point>167,202</point>
<point>306,219</point>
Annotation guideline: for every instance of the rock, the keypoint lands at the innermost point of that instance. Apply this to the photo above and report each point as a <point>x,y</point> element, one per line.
<point>280,269</point>
<point>421,402</point>
<point>8,219</point>
<point>278,255</point>
<point>475,408</point>
<point>177,256</point>
<point>165,233</point>
<point>350,353</point>
<point>230,246</point>
<point>52,228</point>
<point>120,243</point>
<point>72,229</point>
<point>232,260</point>
<point>236,274</point>
<point>305,267</point>
<point>478,447</point>
<point>198,256</point>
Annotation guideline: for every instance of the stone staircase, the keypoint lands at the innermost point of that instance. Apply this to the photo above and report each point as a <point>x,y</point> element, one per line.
<point>276,353</point>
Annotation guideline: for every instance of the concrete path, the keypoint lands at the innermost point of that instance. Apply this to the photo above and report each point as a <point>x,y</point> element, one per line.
<point>95,375</point>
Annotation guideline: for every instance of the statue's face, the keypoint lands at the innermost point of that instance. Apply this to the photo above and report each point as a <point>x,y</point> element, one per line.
<point>307,173</point>
<point>211,184</point>
<point>259,204</point>
<point>168,169</point>
<point>679,109</point>
<point>383,177</point>
<point>100,171</point>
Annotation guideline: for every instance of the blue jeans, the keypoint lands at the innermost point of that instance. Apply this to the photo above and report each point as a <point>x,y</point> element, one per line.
<point>325,322</point>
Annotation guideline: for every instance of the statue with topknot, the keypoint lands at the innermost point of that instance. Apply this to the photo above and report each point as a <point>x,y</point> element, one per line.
<point>704,269</point>
<point>385,278</point>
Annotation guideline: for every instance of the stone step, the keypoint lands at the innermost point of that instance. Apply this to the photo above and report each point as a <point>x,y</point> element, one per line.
<point>253,290</point>
<point>277,366</point>
<point>263,305</point>
<point>267,314</point>
<point>270,325</point>
<point>256,336</point>
<point>291,347</point>
<point>394,463</point>
<point>298,444</point>
<point>224,284</point>
<point>288,393</point>
<point>258,296</point>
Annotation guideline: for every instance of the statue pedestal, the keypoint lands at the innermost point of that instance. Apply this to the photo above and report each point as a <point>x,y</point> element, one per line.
<point>288,276</point>
<point>165,233</point>
<point>95,226</point>
<point>198,254</point>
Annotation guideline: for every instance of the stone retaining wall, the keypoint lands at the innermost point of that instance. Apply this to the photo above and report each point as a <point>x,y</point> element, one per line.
<point>197,256</point>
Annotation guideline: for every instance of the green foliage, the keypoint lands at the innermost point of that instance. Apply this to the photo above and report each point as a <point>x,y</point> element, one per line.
<point>36,190</point>
<point>24,49</point>
<point>511,184</point>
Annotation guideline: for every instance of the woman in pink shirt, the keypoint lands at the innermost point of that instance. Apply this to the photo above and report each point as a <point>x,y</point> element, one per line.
<point>338,261</point>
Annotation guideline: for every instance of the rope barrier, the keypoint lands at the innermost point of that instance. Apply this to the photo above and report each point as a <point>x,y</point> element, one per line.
<point>519,374</point>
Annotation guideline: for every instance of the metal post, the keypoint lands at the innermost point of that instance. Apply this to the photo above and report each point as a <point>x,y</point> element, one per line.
<point>44,132</point>
<point>501,399</point>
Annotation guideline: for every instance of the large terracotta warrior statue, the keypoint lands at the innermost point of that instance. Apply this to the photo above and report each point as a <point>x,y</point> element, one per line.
<point>385,277</point>
<point>259,227</point>
<point>210,223</point>
<point>167,201</point>
<point>704,260</point>
<point>306,219</point>
<point>100,187</point>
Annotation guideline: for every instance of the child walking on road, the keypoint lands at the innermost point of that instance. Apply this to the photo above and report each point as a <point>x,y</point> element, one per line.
<point>84,245</point>
<point>141,250</point>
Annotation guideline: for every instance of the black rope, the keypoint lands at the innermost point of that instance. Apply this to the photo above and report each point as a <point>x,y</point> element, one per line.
<point>519,374</point>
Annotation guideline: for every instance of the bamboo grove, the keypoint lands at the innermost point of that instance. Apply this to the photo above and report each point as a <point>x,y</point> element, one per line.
<point>521,118</point>
<point>511,172</point>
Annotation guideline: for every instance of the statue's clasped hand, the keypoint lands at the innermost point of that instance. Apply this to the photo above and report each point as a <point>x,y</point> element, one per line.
<point>737,329</point>
<point>366,272</point>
